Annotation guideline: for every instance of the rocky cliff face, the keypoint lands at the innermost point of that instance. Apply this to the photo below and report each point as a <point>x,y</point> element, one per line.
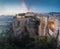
<point>26,30</point>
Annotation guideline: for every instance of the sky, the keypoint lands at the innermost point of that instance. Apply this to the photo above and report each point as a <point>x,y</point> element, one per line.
<point>11,7</point>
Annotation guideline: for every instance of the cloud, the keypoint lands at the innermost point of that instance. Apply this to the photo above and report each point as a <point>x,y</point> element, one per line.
<point>11,10</point>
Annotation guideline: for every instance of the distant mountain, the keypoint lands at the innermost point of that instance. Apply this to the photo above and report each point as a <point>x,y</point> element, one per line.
<point>54,13</point>
<point>6,18</point>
